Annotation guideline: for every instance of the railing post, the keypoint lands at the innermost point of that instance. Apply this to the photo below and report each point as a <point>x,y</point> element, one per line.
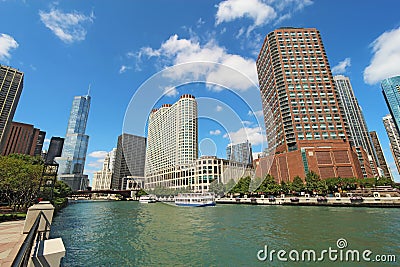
<point>33,212</point>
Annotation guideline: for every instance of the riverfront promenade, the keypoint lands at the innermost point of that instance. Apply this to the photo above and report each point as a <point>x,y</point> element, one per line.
<point>11,238</point>
<point>388,202</point>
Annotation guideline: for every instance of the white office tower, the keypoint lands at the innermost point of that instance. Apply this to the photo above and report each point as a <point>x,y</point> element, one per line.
<point>171,144</point>
<point>102,178</point>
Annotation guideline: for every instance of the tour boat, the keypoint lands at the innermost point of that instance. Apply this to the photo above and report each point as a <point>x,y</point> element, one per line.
<point>195,199</point>
<point>147,199</point>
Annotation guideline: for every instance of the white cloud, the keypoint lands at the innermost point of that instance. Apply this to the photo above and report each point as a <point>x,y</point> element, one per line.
<point>254,135</point>
<point>261,12</point>
<point>256,10</point>
<point>98,154</point>
<point>171,91</point>
<point>180,51</point>
<point>218,108</point>
<point>7,43</point>
<point>124,69</point>
<point>257,113</point>
<point>385,59</point>
<point>340,68</point>
<point>69,27</point>
<point>216,132</point>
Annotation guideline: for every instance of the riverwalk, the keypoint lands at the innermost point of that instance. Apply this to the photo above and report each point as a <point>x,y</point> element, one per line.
<point>384,202</point>
<point>11,239</point>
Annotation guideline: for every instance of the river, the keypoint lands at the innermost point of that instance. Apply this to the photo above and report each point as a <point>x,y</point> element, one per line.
<point>121,233</point>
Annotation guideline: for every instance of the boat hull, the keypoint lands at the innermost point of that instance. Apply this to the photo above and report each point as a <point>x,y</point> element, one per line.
<point>195,204</point>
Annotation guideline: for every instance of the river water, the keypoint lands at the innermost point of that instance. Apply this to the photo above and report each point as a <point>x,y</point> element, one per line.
<point>120,233</point>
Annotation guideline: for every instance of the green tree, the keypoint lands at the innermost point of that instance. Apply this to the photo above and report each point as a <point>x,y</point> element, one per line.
<point>19,179</point>
<point>242,186</point>
<point>269,186</point>
<point>384,181</point>
<point>285,187</point>
<point>217,188</point>
<point>297,184</point>
<point>312,181</point>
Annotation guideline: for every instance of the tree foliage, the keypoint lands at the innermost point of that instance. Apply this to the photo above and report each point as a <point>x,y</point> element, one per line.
<point>297,184</point>
<point>242,186</point>
<point>269,186</point>
<point>19,179</point>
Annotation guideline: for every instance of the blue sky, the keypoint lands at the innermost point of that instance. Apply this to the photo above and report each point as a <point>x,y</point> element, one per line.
<point>116,46</point>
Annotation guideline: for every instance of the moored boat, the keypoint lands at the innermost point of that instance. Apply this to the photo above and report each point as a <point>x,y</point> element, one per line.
<point>195,199</point>
<point>147,199</point>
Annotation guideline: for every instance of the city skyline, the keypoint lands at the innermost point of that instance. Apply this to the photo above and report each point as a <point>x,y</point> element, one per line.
<point>91,51</point>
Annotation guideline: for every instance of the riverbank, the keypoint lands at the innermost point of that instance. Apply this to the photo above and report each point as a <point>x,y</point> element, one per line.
<point>383,202</point>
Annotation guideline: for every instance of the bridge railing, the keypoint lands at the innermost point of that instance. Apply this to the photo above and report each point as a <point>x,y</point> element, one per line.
<point>34,237</point>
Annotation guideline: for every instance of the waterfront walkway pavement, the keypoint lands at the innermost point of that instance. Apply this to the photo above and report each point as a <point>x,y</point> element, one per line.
<point>11,238</point>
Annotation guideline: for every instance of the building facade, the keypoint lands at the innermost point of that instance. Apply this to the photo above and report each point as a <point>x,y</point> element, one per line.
<point>11,84</point>
<point>394,138</point>
<point>391,93</point>
<point>73,156</point>
<point>304,125</point>
<point>241,152</point>
<point>381,157</point>
<point>102,179</point>
<point>55,148</point>
<point>171,143</point>
<point>24,139</point>
<point>130,159</point>
<point>355,125</point>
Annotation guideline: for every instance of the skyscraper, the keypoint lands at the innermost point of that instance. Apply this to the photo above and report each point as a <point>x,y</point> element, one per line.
<point>102,178</point>
<point>73,156</point>
<point>379,154</point>
<point>391,93</point>
<point>301,109</point>
<point>55,148</point>
<point>171,143</point>
<point>356,127</point>
<point>130,158</point>
<point>241,152</point>
<point>394,138</point>
<point>23,138</point>
<point>11,84</point>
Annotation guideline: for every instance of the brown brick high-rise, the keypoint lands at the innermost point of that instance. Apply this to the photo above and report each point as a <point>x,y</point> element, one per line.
<point>302,113</point>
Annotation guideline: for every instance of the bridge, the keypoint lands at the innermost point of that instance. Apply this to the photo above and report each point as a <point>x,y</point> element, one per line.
<point>89,193</point>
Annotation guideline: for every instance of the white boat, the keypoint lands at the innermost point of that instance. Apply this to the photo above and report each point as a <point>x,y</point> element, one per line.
<point>195,199</point>
<point>147,199</point>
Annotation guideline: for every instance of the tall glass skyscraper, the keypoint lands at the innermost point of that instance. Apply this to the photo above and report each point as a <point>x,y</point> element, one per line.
<point>356,127</point>
<point>391,92</point>
<point>73,156</point>
<point>241,152</point>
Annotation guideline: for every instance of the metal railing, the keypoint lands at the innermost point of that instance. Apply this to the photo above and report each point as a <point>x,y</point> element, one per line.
<point>24,253</point>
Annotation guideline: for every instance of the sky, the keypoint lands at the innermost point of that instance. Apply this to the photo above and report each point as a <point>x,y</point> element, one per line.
<point>122,48</point>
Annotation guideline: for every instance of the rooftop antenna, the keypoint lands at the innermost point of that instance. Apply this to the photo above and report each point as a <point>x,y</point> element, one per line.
<point>90,85</point>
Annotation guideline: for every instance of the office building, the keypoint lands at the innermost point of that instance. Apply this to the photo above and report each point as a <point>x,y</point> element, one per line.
<point>24,139</point>
<point>130,159</point>
<point>11,84</point>
<point>102,178</point>
<point>391,93</point>
<point>394,138</point>
<point>304,125</point>
<point>355,125</point>
<point>241,152</point>
<point>73,156</point>
<point>55,149</point>
<point>380,156</point>
<point>171,143</point>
